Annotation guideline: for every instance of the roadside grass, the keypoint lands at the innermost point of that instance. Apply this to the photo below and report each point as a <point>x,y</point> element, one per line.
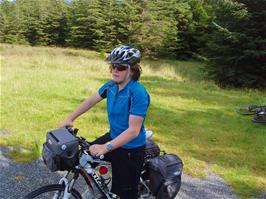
<point>191,117</point>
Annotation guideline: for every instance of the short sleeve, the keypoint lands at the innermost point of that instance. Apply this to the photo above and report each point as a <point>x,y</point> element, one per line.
<point>140,101</point>
<point>103,90</point>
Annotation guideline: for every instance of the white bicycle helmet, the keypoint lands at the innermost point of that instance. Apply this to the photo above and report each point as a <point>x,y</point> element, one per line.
<point>124,55</point>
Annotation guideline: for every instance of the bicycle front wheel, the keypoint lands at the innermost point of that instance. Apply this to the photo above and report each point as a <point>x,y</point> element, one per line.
<point>53,191</point>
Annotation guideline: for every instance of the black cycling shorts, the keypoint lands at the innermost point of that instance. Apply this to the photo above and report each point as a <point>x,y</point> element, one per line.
<point>126,168</point>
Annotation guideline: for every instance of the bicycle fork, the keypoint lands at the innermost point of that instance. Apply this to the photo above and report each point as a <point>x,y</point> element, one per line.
<point>68,187</point>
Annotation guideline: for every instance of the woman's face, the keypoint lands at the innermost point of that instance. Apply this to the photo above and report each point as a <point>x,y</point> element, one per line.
<point>120,73</point>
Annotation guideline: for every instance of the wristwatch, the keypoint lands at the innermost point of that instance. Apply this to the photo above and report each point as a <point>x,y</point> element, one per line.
<point>109,146</point>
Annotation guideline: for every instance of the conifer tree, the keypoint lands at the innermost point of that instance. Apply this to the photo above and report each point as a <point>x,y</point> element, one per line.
<point>32,12</point>
<point>236,47</point>
<point>104,35</point>
<point>54,23</point>
<point>125,23</point>
<point>11,23</point>
<point>193,22</point>
<point>82,24</point>
<point>7,28</point>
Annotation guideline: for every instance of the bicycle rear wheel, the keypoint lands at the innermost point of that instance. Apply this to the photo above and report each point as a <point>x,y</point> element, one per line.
<point>260,118</point>
<point>248,109</point>
<point>49,191</point>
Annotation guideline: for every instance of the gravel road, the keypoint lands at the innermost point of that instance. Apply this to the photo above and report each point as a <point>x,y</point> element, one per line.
<point>16,180</point>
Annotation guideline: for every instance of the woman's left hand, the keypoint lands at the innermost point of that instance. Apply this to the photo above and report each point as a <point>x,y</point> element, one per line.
<point>98,150</point>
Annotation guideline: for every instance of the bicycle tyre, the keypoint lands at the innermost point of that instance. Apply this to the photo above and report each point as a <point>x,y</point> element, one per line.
<point>248,109</point>
<point>51,188</point>
<point>259,118</point>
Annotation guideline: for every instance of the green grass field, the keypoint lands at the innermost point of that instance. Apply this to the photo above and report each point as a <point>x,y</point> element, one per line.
<point>191,117</point>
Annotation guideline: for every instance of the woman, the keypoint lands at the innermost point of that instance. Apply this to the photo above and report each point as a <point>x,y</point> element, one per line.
<point>127,104</point>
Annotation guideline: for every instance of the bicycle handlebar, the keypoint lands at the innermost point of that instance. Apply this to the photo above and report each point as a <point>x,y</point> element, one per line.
<point>85,145</point>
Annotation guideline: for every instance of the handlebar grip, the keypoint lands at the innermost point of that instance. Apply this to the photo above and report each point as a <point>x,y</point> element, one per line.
<point>75,131</point>
<point>69,128</point>
<point>72,130</point>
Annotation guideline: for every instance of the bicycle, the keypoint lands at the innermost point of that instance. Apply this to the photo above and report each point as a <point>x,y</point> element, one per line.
<point>250,109</point>
<point>259,112</point>
<point>260,116</point>
<point>89,168</point>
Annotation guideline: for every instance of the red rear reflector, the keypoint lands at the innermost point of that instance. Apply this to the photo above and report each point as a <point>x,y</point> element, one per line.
<point>103,170</point>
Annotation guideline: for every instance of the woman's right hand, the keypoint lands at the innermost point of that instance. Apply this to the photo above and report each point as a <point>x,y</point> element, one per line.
<point>66,123</point>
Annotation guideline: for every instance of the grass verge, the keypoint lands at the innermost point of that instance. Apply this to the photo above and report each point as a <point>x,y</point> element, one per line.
<point>191,117</point>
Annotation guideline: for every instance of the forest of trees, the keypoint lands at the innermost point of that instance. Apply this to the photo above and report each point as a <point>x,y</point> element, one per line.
<point>230,35</point>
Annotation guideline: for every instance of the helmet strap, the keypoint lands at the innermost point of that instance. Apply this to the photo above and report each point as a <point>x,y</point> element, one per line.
<point>128,72</point>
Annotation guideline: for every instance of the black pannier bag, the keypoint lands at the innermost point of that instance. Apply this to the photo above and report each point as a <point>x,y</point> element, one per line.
<point>165,176</point>
<point>151,149</point>
<point>60,151</point>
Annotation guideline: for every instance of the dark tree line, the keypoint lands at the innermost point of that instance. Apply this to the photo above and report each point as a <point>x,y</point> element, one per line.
<point>237,44</point>
<point>229,34</point>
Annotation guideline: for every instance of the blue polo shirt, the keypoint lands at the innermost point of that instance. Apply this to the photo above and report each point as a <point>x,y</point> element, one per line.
<point>133,99</point>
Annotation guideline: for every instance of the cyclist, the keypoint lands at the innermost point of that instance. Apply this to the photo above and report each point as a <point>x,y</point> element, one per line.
<point>127,104</point>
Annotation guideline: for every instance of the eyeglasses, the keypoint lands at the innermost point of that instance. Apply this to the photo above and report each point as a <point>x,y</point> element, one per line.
<point>119,67</point>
